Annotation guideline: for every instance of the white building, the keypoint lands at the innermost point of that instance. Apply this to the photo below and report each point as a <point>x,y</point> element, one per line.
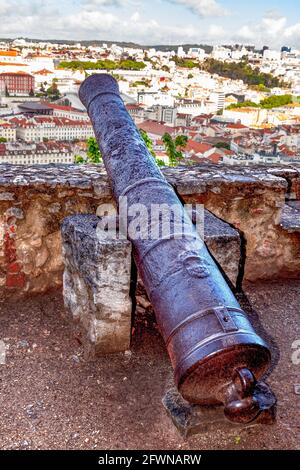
<point>36,154</point>
<point>180,52</point>
<point>218,97</point>
<point>271,55</point>
<point>151,99</point>
<point>221,53</point>
<point>249,117</point>
<point>197,53</point>
<point>8,131</point>
<point>43,128</point>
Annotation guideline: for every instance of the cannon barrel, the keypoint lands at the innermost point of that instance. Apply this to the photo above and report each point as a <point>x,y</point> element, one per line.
<point>214,350</point>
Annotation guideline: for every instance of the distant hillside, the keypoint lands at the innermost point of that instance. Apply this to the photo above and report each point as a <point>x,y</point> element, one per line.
<point>95,43</point>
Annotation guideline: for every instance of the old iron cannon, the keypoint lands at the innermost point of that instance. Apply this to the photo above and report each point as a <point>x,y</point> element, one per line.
<point>216,355</point>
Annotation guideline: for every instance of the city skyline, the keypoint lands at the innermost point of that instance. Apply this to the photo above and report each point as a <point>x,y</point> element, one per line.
<point>159,22</point>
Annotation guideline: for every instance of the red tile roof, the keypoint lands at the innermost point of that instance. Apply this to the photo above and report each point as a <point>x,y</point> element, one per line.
<point>236,126</point>
<point>197,147</point>
<point>215,157</point>
<point>153,127</point>
<point>62,108</point>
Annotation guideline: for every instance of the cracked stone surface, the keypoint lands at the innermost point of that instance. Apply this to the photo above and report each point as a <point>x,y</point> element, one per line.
<point>290,218</point>
<point>97,280</point>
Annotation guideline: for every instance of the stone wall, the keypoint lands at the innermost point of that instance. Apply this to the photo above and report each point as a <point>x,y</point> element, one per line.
<point>34,200</point>
<point>33,203</point>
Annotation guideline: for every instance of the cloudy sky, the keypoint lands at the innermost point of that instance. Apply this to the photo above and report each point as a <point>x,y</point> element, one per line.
<point>271,22</point>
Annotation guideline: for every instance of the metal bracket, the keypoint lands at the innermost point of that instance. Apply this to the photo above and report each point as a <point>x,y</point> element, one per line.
<point>225,319</point>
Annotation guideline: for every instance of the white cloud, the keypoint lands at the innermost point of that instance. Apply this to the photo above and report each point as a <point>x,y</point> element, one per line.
<point>37,18</point>
<point>135,17</point>
<point>273,26</point>
<point>203,8</point>
<point>94,4</point>
<point>90,23</point>
<point>271,30</point>
<point>216,32</point>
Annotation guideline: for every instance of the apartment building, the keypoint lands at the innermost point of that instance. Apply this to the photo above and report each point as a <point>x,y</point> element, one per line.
<point>42,128</point>
<point>17,83</point>
<point>36,154</point>
<point>8,131</point>
<point>68,112</point>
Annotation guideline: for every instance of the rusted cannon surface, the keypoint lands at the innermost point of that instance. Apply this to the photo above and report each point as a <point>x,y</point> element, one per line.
<point>216,354</point>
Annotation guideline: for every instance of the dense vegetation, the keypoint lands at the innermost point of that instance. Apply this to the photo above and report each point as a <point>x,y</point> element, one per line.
<point>242,71</point>
<point>102,65</point>
<point>276,101</point>
<point>174,147</point>
<point>93,154</point>
<point>144,83</point>
<point>186,63</point>
<point>223,145</point>
<point>267,103</point>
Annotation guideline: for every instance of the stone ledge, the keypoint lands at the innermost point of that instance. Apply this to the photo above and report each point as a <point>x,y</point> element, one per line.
<point>185,179</point>
<point>290,219</point>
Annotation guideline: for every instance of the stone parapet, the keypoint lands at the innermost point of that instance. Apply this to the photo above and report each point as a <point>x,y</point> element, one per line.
<point>34,200</point>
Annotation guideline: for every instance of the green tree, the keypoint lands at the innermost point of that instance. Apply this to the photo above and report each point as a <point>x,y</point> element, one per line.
<point>93,151</point>
<point>242,70</point>
<point>149,145</point>
<point>174,147</point>
<point>244,104</point>
<point>267,103</point>
<point>105,64</point>
<point>185,63</point>
<point>276,101</point>
<point>93,154</point>
<point>53,92</point>
<point>223,145</point>
<point>148,142</point>
<point>181,142</point>
<point>261,88</point>
<point>3,140</point>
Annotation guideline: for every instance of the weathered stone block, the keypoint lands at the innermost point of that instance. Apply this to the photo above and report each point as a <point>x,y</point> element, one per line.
<point>290,218</point>
<point>224,243</point>
<point>97,284</point>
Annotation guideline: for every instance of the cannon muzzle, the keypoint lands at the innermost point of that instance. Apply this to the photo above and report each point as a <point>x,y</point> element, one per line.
<point>215,352</point>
